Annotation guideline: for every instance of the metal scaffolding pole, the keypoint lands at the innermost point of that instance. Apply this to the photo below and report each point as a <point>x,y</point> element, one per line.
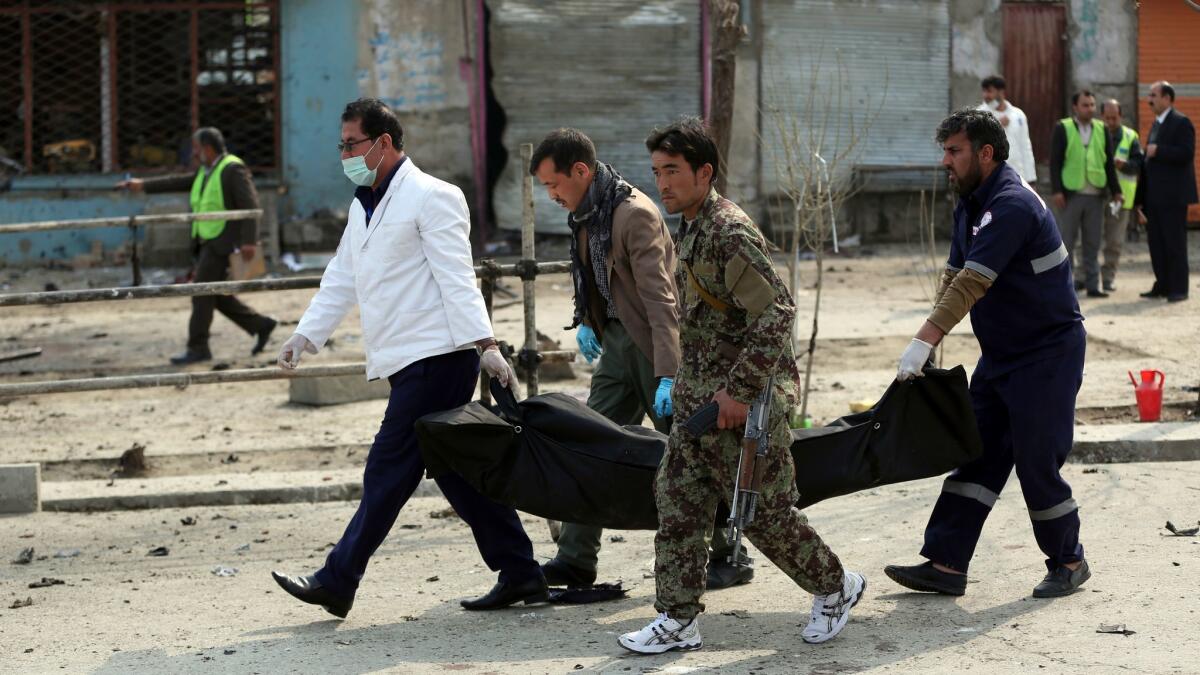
<point>528,355</point>
<point>206,377</point>
<point>228,287</point>
<point>128,221</point>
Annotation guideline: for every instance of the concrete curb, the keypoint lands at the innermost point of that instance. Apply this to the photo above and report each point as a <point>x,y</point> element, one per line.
<point>201,490</point>
<point>1143,442</point>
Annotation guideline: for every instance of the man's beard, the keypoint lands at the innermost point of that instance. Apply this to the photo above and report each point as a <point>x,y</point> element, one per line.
<point>970,181</point>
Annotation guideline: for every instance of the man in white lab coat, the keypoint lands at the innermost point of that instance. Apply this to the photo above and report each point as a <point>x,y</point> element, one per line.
<point>1016,126</point>
<point>405,260</point>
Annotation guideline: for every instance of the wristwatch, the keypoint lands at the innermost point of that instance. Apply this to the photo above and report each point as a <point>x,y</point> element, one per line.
<point>486,344</point>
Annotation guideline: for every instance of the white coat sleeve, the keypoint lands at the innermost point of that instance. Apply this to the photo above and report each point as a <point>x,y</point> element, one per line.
<point>335,297</point>
<point>1030,174</point>
<point>444,225</point>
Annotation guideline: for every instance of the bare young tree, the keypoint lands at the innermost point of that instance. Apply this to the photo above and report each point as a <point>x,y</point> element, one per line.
<point>929,263</point>
<point>814,135</point>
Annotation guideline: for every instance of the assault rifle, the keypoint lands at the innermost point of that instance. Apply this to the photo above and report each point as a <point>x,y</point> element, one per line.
<point>752,462</point>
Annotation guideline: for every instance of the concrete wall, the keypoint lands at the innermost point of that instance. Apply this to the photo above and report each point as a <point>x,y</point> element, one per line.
<point>976,35</point>
<point>409,55</point>
<point>1103,51</point>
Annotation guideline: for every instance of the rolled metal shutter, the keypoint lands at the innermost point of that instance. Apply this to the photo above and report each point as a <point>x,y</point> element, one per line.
<point>896,58</point>
<point>611,69</point>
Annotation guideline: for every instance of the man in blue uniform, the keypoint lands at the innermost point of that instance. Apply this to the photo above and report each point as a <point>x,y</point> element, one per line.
<point>1009,268</point>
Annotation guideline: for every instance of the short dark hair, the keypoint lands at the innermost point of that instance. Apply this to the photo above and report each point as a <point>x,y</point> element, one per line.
<point>565,146</point>
<point>689,137</point>
<point>376,119</point>
<point>982,129</point>
<point>1167,90</point>
<point>992,82</point>
<point>1080,94</point>
<point>211,137</point>
<point>1112,101</point>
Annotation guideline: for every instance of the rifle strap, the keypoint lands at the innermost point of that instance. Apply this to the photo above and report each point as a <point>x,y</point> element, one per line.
<point>709,299</point>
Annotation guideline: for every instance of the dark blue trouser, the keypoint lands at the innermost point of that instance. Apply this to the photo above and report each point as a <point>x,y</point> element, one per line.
<point>394,469</point>
<point>1027,419</point>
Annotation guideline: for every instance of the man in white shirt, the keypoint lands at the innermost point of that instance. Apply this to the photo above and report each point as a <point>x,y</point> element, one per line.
<point>1016,127</point>
<point>405,260</point>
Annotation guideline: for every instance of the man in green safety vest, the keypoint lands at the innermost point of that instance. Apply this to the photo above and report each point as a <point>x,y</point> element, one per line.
<point>221,184</point>
<point>1127,160</point>
<point>1083,179</point>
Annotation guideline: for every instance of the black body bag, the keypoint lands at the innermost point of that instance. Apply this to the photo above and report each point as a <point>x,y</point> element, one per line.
<point>552,456</point>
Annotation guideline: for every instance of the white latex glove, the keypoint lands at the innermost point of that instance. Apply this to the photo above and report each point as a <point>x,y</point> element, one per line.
<point>289,355</point>
<point>913,360</point>
<point>494,363</point>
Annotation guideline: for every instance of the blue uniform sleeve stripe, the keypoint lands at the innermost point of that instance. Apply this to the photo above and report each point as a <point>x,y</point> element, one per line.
<point>1049,261</point>
<point>982,269</point>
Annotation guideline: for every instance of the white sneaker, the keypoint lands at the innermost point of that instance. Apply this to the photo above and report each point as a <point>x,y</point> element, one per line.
<point>662,635</point>
<point>831,612</point>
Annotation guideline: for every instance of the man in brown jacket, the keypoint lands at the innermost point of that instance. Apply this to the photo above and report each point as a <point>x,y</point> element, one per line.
<point>215,240</point>
<point>626,312</point>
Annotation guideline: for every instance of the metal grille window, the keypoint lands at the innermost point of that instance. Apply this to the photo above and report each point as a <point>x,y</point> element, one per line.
<point>108,86</point>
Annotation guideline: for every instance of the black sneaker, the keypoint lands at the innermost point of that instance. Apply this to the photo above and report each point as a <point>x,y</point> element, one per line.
<point>191,356</point>
<point>1062,581</point>
<point>927,579</point>
<point>560,573</point>
<point>263,337</point>
<point>722,574</point>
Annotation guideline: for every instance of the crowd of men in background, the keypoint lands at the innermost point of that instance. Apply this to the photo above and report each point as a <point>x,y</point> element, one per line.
<point>1105,184</point>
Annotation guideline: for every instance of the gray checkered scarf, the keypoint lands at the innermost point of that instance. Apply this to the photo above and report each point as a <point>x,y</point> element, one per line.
<point>595,212</point>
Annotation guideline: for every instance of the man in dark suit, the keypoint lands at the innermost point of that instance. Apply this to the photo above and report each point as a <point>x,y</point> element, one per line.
<point>1167,186</point>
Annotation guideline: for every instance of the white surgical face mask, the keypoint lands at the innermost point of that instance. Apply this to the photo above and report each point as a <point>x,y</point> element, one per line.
<point>356,169</point>
<point>994,104</point>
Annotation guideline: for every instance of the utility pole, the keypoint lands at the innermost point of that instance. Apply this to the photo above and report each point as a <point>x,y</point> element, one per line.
<point>727,33</point>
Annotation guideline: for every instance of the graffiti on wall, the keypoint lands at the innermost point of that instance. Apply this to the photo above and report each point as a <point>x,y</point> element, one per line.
<point>406,70</point>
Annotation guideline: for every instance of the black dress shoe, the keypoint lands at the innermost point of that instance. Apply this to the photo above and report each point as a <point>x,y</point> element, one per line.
<point>1151,294</point>
<point>561,573</point>
<point>308,589</point>
<point>927,579</point>
<point>722,574</point>
<point>264,336</point>
<point>504,594</point>
<point>1176,298</point>
<point>1096,293</point>
<point>191,356</point>
<point>1062,581</point>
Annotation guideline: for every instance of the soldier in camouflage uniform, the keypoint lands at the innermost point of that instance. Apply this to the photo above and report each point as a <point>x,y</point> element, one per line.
<point>735,332</point>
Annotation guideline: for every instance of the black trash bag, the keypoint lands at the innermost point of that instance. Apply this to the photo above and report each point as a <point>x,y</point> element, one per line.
<point>548,455</point>
<point>552,456</point>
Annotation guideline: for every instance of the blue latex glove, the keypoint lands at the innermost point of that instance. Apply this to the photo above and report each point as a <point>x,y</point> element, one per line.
<point>662,397</point>
<point>589,346</point>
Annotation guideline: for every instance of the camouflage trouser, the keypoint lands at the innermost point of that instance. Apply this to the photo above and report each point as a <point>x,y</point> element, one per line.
<point>694,475</point>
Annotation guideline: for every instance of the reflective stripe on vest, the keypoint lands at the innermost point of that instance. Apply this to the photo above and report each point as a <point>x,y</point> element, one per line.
<point>1128,182</point>
<point>208,196</point>
<point>1076,166</point>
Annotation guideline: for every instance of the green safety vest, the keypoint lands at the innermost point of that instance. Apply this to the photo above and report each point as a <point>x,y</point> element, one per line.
<point>1128,183</point>
<point>1077,166</point>
<point>208,196</point>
